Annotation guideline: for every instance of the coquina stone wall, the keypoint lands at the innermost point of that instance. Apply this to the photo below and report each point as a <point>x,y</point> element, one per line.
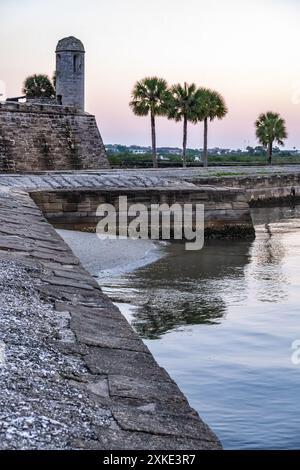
<point>259,190</point>
<point>226,210</point>
<point>37,137</point>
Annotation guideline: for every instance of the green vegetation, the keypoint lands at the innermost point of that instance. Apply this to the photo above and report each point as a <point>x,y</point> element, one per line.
<point>183,106</point>
<point>38,86</point>
<point>150,96</point>
<point>270,128</point>
<point>220,174</point>
<point>211,105</point>
<point>181,103</point>
<point>125,158</point>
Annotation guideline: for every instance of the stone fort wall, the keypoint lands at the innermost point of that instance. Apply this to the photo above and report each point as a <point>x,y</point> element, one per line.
<point>226,211</point>
<point>39,137</point>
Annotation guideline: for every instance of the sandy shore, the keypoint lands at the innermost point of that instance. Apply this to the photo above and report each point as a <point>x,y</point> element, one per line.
<point>102,257</point>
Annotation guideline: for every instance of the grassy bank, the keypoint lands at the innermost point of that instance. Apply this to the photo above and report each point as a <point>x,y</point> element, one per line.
<point>129,160</point>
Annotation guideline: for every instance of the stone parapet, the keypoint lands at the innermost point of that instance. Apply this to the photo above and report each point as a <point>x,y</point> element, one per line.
<point>37,137</point>
<point>226,210</point>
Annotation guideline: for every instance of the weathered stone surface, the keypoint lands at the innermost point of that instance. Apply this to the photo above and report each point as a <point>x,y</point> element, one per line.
<point>112,439</point>
<point>99,388</point>
<point>135,387</point>
<point>44,137</point>
<point>102,308</point>
<point>104,331</point>
<point>75,374</point>
<point>131,419</point>
<point>112,339</point>
<point>70,74</point>
<point>39,409</point>
<point>218,206</point>
<point>127,362</point>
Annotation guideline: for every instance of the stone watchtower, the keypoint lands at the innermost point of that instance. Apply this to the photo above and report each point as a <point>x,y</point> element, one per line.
<point>42,136</point>
<point>70,72</point>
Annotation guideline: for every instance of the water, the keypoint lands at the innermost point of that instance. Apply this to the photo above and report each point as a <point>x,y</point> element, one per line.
<point>222,322</point>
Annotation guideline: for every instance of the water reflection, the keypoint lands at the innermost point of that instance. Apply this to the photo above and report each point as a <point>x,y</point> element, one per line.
<point>265,278</point>
<point>184,288</point>
<point>266,215</point>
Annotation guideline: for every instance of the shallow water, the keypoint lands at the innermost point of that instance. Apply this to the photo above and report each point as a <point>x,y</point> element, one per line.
<point>222,322</point>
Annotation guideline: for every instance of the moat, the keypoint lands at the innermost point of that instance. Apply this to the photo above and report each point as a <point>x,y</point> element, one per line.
<point>222,322</point>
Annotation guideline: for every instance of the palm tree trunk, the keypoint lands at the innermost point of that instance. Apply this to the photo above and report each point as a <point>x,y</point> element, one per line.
<point>153,137</point>
<point>184,141</point>
<point>205,159</point>
<point>270,152</point>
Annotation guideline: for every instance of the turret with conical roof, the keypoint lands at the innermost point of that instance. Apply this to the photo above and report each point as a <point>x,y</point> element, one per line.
<point>70,72</point>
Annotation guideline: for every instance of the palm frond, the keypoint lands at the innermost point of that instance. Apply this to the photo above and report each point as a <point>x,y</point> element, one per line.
<point>38,86</point>
<point>149,95</point>
<point>183,102</point>
<point>270,127</point>
<point>211,105</point>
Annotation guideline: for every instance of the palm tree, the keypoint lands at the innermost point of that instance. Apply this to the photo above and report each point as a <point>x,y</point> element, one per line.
<point>211,105</point>
<point>270,127</point>
<point>183,105</point>
<point>38,86</point>
<point>150,95</point>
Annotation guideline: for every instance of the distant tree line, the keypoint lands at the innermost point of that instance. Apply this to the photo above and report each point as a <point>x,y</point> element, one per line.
<point>188,103</point>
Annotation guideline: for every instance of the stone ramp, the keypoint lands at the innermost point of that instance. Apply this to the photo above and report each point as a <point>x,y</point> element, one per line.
<point>74,374</point>
<point>92,180</point>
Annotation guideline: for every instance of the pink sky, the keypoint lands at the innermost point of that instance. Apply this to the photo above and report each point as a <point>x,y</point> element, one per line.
<point>246,49</point>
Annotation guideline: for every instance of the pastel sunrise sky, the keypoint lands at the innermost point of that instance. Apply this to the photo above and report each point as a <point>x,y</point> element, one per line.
<point>246,49</point>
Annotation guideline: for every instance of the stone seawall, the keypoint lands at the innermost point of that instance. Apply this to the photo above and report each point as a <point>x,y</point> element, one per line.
<point>259,189</point>
<point>227,212</point>
<point>74,374</point>
<point>43,137</point>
